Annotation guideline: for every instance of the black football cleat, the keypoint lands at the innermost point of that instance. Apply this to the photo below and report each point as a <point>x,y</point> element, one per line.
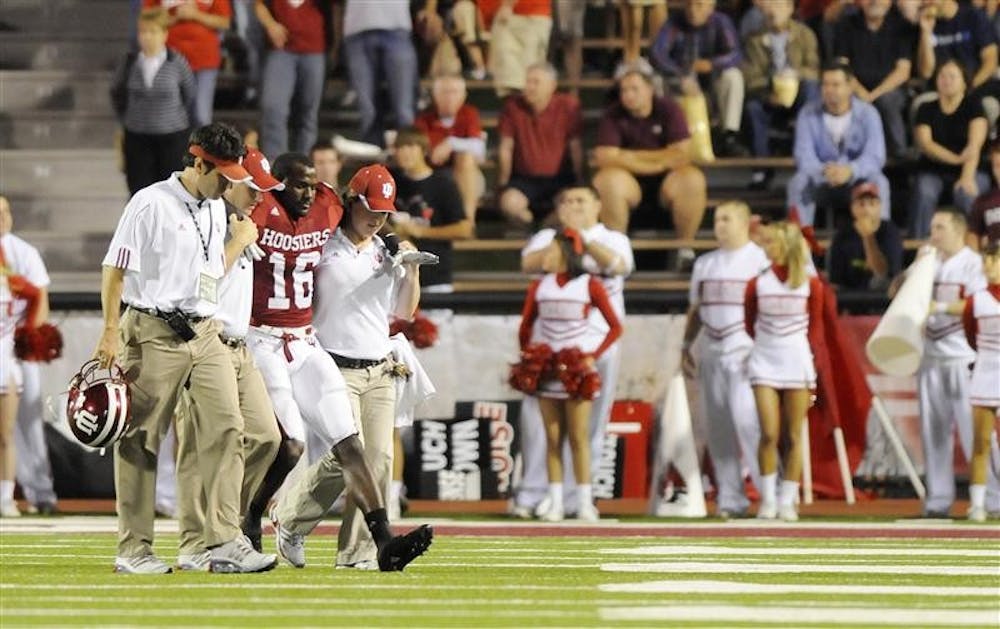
<point>401,550</point>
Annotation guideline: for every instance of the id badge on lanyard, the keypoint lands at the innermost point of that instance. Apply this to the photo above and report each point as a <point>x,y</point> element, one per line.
<point>208,287</point>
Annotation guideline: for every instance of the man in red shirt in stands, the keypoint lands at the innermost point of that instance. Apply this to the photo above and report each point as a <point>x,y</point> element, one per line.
<point>642,159</point>
<point>456,138</point>
<point>195,29</point>
<point>294,72</point>
<point>541,151</point>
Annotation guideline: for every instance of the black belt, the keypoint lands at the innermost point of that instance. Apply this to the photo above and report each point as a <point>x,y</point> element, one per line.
<point>233,342</point>
<point>160,314</point>
<point>355,363</point>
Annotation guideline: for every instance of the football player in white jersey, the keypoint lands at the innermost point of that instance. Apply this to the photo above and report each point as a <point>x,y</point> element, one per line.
<point>608,255</point>
<point>718,285</point>
<point>943,377</point>
<point>784,315</point>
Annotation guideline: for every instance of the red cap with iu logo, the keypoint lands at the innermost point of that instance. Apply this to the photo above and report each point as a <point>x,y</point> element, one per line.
<point>375,187</point>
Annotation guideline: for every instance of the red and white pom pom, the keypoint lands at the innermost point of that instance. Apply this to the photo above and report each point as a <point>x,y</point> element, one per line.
<point>421,331</point>
<point>534,367</point>
<point>41,344</point>
<point>581,381</point>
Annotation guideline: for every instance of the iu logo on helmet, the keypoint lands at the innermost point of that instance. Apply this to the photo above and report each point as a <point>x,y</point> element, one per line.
<point>86,422</point>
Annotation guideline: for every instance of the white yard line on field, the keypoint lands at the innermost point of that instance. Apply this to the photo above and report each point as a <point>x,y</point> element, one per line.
<point>901,552</point>
<point>800,615</point>
<point>777,568</point>
<point>737,587</point>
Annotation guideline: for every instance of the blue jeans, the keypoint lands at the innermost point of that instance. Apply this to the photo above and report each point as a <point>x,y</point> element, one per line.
<point>927,191</point>
<point>250,31</point>
<point>290,80</point>
<point>204,96</point>
<point>391,52</point>
<point>761,113</point>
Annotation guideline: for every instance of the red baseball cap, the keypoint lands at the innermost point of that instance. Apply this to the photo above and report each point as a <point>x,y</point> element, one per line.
<point>260,172</point>
<point>375,187</point>
<point>865,189</point>
<point>231,169</point>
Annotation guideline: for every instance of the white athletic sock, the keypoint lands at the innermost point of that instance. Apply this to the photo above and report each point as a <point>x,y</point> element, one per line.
<point>769,489</point>
<point>6,491</point>
<point>556,495</point>
<point>395,489</point>
<point>977,496</point>
<point>789,493</point>
<point>586,495</point>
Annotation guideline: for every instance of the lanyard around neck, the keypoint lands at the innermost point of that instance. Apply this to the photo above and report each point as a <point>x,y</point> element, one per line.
<point>201,237</point>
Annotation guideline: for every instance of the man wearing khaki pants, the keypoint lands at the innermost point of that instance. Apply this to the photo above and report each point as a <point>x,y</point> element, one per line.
<point>164,262</point>
<point>261,436</point>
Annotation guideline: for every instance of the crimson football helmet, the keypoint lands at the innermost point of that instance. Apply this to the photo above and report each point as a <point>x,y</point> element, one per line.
<point>99,405</point>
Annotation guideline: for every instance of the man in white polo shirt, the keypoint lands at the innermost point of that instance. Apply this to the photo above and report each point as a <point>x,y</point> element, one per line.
<point>608,255</point>
<point>165,262</point>
<point>261,436</point>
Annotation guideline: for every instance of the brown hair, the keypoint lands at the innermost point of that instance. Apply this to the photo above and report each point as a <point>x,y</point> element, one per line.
<point>412,135</point>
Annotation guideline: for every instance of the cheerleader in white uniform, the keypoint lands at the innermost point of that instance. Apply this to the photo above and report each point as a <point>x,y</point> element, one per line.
<point>784,306</point>
<point>981,319</point>
<point>561,302</point>
<point>10,388</point>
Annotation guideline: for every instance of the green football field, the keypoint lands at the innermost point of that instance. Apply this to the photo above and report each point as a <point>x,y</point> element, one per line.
<point>830,575</point>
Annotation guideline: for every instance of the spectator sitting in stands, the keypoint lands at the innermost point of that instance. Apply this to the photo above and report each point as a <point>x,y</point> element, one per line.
<point>879,46</point>
<point>642,156</point>
<point>152,93</point>
<point>867,254</point>
<point>328,163</point>
<point>195,30</point>
<point>456,138</point>
<point>984,221</point>
<point>950,133</point>
<point>431,208</point>
<point>838,142</point>
<point>949,30</point>
<point>540,147</point>
<point>784,54</point>
<point>519,38</point>
<point>698,50</point>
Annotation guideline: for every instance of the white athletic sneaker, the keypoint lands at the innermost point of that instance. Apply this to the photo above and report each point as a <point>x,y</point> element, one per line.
<point>588,513</point>
<point>367,564</point>
<point>146,564</point>
<point>543,507</point>
<point>767,511</point>
<point>680,505</point>
<point>520,512</point>
<point>977,514</point>
<point>552,515</point>
<point>291,546</point>
<point>238,557</point>
<point>788,513</point>
<point>8,509</point>
<point>197,562</point>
